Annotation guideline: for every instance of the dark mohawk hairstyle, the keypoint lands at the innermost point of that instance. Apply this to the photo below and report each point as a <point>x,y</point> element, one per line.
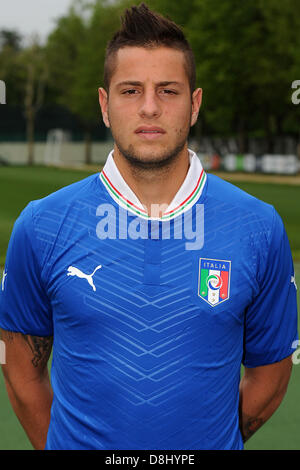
<point>142,27</point>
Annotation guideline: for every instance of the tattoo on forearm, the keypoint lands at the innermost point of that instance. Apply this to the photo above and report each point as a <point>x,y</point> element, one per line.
<point>40,347</point>
<point>250,426</point>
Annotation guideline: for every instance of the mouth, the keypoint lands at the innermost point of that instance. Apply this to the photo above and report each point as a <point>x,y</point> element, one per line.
<point>149,133</point>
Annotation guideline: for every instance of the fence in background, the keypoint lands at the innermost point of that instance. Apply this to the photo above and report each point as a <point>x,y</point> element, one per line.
<point>249,163</point>
<point>215,154</point>
<point>66,153</point>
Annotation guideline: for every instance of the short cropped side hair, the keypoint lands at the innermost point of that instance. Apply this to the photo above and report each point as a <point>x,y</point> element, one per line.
<point>142,27</point>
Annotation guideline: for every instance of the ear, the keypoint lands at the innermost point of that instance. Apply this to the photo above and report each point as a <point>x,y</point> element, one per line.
<point>196,103</point>
<point>103,100</point>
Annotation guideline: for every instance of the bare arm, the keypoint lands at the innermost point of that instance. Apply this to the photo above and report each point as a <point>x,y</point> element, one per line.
<point>261,392</point>
<point>27,382</point>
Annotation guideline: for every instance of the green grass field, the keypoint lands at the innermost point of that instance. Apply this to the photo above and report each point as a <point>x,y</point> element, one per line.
<point>19,185</point>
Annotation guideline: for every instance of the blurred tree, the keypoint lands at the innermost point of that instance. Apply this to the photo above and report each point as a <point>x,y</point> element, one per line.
<point>283,23</point>
<point>223,36</point>
<point>10,70</point>
<point>10,38</point>
<point>24,71</point>
<point>247,56</point>
<point>277,52</point>
<point>75,55</point>
<point>62,54</point>
<point>34,65</point>
<point>179,12</point>
<point>245,53</point>
<point>104,20</point>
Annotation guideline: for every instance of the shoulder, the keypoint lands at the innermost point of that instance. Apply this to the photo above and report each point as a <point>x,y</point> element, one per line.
<point>67,195</point>
<point>63,199</point>
<point>251,217</point>
<point>229,195</point>
<point>47,215</point>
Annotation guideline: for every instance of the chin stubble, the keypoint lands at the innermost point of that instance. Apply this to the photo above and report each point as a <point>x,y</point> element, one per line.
<point>164,161</point>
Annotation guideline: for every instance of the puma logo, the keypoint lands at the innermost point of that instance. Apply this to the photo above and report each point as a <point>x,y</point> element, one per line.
<point>72,271</point>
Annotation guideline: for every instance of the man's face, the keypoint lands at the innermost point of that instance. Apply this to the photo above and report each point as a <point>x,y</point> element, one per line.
<point>150,108</point>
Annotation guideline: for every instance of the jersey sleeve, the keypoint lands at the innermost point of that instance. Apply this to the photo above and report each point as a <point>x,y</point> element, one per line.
<point>24,305</point>
<point>270,333</point>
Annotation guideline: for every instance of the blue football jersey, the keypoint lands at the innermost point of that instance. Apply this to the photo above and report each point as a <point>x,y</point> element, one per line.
<point>151,317</point>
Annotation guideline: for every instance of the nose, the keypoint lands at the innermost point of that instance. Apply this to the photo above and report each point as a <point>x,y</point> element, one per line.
<point>150,106</point>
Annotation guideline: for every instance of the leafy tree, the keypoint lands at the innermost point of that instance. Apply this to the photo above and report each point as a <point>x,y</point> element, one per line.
<point>75,54</point>
<point>244,53</point>
<point>10,38</point>
<point>104,20</point>
<point>222,35</point>
<point>10,70</point>
<point>24,72</point>
<point>34,66</point>
<point>247,56</point>
<point>180,12</point>
<point>284,64</point>
<point>62,54</point>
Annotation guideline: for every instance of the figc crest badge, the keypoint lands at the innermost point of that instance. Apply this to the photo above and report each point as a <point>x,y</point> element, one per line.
<point>214,280</point>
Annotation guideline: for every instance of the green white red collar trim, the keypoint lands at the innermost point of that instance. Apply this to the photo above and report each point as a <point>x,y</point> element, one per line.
<point>187,195</point>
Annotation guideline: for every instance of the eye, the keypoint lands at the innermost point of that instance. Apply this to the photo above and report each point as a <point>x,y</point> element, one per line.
<point>169,92</point>
<point>129,92</point>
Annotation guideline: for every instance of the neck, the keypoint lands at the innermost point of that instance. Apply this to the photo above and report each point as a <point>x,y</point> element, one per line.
<point>155,188</point>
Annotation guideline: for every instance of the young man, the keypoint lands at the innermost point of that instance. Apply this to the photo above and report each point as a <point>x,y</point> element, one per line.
<point>154,280</point>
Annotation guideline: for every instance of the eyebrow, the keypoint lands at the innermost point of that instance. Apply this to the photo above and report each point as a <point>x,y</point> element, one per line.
<point>135,83</point>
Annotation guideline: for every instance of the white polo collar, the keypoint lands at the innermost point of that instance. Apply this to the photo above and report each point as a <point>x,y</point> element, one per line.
<point>187,195</point>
